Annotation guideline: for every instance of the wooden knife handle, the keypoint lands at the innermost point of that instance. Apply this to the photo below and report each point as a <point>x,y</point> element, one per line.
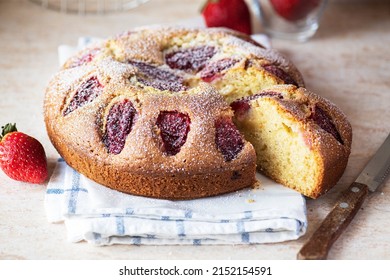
<point>318,246</point>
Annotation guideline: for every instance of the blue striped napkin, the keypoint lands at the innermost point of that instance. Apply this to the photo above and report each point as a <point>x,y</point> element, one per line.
<point>101,216</point>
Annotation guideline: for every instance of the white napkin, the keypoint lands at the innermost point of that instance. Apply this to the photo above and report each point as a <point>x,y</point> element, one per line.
<point>91,212</point>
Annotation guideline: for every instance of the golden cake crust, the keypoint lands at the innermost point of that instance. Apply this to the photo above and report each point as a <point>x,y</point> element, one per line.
<point>332,154</point>
<point>141,168</point>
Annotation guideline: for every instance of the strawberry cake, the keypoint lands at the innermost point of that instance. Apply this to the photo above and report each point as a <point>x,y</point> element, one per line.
<point>179,113</point>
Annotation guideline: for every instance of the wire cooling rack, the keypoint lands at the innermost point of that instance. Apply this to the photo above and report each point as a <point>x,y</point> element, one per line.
<point>89,6</point>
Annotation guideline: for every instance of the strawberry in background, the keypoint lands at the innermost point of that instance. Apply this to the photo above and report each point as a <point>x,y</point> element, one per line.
<point>233,14</point>
<point>22,157</point>
<point>293,10</point>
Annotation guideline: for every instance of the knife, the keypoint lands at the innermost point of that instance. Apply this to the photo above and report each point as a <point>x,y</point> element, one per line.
<point>348,204</point>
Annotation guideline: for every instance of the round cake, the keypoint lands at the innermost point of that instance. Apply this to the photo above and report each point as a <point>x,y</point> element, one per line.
<point>180,113</point>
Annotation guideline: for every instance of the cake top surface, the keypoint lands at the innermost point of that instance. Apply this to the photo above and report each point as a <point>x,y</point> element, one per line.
<point>176,71</point>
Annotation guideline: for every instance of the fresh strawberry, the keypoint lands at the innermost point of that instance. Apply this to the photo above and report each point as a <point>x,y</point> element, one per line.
<point>294,10</point>
<point>22,157</point>
<point>233,14</point>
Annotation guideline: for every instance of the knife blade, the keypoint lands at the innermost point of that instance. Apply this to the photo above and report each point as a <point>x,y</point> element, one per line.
<point>348,204</point>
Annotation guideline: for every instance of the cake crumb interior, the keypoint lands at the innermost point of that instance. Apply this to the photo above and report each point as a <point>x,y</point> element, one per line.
<point>281,151</point>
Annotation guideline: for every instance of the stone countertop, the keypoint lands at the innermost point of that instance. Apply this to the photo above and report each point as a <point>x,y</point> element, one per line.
<point>348,62</point>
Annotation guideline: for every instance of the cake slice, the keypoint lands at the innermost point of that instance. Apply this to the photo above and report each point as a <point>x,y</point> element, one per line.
<point>301,140</point>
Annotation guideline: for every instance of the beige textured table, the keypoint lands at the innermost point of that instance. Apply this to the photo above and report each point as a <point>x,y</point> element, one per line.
<point>348,61</point>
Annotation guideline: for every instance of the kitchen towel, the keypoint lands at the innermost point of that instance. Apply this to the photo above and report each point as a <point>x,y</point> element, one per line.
<point>265,214</point>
